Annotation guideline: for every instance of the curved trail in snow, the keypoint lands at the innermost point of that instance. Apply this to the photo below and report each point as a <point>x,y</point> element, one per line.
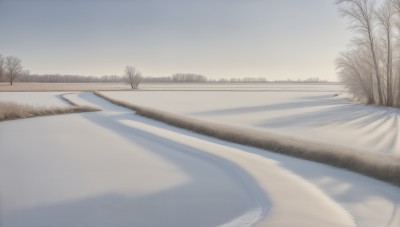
<point>325,200</point>
<point>121,169</point>
<point>282,179</point>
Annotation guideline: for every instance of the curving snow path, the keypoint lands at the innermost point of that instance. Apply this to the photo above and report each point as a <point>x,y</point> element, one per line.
<point>311,116</point>
<point>114,168</point>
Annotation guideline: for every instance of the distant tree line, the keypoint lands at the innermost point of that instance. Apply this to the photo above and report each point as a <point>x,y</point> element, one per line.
<point>26,77</point>
<point>370,68</point>
<point>160,79</point>
<point>264,80</point>
<point>12,71</point>
<point>188,78</point>
<point>57,78</point>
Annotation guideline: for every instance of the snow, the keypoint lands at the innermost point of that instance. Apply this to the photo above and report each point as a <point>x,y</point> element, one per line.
<point>114,168</point>
<point>92,170</point>
<point>34,98</point>
<point>308,115</point>
<point>282,87</point>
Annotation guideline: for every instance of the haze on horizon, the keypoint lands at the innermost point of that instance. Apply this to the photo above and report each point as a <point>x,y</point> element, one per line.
<point>276,39</point>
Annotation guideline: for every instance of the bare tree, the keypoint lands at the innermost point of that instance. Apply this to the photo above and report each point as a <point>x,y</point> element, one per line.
<point>385,16</point>
<point>13,68</point>
<point>1,68</point>
<point>362,16</point>
<point>356,74</point>
<point>132,76</point>
<point>396,91</point>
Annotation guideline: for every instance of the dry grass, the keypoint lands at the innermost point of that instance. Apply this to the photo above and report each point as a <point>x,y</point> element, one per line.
<point>12,110</point>
<point>380,166</point>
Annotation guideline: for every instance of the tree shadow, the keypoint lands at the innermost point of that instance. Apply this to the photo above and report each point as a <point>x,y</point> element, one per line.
<point>346,187</point>
<point>380,124</point>
<point>311,101</point>
<point>351,190</point>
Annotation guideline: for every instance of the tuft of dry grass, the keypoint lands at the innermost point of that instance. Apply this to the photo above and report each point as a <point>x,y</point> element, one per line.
<point>379,166</point>
<point>12,110</point>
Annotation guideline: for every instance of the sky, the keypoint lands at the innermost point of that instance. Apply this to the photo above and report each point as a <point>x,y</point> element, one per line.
<point>275,39</point>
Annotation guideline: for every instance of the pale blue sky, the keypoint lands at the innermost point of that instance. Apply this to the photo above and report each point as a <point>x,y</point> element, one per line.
<point>277,39</point>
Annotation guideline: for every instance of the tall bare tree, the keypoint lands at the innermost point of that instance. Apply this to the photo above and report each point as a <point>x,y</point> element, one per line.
<point>362,16</point>
<point>385,16</point>
<point>1,68</point>
<point>13,68</point>
<point>396,6</point>
<point>132,76</point>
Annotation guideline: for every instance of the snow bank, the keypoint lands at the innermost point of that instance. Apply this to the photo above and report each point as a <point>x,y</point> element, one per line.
<point>379,166</point>
<point>115,168</point>
<point>318,116</point>
<point>92,170</point>
<point>281,87</point>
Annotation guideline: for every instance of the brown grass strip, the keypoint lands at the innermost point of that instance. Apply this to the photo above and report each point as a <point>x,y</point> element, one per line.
<point>13,111</point>
<point>379,166</point>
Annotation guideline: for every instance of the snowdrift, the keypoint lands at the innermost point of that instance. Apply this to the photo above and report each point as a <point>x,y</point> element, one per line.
<point>379,166</point>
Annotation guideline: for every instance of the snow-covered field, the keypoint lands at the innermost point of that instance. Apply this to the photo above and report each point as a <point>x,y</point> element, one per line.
<point>34,98</point>
<point>114,168</point>
<point>283,87</point>
<point>318,116</point>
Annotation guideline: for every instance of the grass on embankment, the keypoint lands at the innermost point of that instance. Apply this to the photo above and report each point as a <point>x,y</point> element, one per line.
<point>13,111</point>
<point>380,166</point>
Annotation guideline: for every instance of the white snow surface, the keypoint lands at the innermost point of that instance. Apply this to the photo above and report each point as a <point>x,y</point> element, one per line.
<point>308,115</point>
<point>114,168</point>
<point>283,87</point>
<point>47,99</point>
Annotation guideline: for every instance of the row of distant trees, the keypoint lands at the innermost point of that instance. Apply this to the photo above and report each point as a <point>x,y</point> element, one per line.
<point>57,78</point>
<point>133,77</point>
<point>370,68</point>
<point>188,77</point>
<point>203,79</point>
<point>11,70</point>
<point>264,80</point>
